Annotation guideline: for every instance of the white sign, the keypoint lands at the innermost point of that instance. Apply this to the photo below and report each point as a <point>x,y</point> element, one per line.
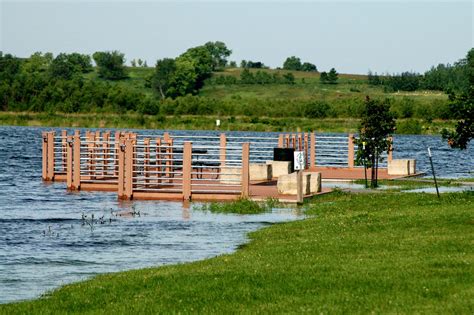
<point>298,160</point>
<point>218,122</point>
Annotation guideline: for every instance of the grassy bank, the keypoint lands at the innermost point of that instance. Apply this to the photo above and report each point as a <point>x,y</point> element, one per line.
<point>381,253</point>
<point>137,121</point>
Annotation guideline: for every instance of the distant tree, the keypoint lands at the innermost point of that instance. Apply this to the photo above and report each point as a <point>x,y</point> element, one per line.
<point>254,64</point>
<point>373,78</point>
<point>164,72</point>
<point>323,77</point>
<point>81,62</point>
<point>233,64</point>
<point>308,67</point>
<point>184,79</point>
<point>332,76</point>
<point>139,62</point>
<point>246,77</point>
<point>406,81</point>
<point>316,109</point>
<point>289,78</point>
<point>9,67</point>
<point>243,64</point>
<point>62,68</point>
<point>145,65</point>
<point>377,125</point>
<point>462,108</point>
<point>38,62</point>
<point>219,53</point>
<point>292,63</point>
<point>133,63</point>
<point>202,62</point>
<point>111,65</point>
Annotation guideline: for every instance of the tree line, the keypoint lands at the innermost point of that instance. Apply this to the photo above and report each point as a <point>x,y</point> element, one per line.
<point>444,77</point>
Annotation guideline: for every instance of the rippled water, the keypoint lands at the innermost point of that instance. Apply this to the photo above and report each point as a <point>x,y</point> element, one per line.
<point>44,244</point>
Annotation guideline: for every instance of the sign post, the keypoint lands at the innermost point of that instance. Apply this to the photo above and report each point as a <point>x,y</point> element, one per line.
<point>433,170</point>
<point>299,163</point>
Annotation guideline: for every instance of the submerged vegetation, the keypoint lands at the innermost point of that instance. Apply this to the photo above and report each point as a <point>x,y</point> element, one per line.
<point>366,253</point>
<point>240,206</point>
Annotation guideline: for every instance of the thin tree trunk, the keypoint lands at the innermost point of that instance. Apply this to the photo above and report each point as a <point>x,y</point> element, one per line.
<point>162,94</point>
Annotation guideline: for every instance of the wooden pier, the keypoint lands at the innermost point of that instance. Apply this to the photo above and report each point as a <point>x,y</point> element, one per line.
<point>177,167</point>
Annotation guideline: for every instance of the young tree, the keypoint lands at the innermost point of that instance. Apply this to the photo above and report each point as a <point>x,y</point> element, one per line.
<point>219,54</point>
<point>332,76</point>
<point>164,72</point>
<point>373,78</point>
<point>246,77</point>
<point>289,78</point>
<point>377,125</point>
<point>61,67</point>
<point>308,67</point>
<point>324,77</point>
<point>133,63</point>
<point>462,108</point>
<point>292,63</point>
<point>111,65</point>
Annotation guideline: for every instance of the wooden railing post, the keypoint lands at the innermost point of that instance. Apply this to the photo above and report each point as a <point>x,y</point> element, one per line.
<point>116,152</point>
<point>312,148</point>
<point>390,150</point>
<point>187,167</point>
<point>50,172</point>
<point>305,146</point>
<point>287,141</point>
<point>280,140</point>
<point>293,141</point>
<point>121,167</point>
<point>69,157</point>
<point>129,143</point>
<point>105,153</point>
<point>76,172</point>
<point>299,147</point>
<point>350,151</point>
<point>223,147</point>
<point>63,149</point>
<point>245,170</point>
<point>146,159</point>
<point>158,161</point>
<point>169,159</point>
<point>44,146</point>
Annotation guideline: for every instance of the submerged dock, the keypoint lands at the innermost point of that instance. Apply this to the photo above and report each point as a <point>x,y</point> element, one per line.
<point>185,167</point>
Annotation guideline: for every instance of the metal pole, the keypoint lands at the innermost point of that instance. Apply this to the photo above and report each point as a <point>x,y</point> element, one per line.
<point>432,169</point>
<point>299,187</point>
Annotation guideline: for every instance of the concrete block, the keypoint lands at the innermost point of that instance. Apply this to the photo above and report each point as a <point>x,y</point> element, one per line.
<point>412,167</point>
<point>280,168</point>
<point>401,167</point>
<point>287,184</point>
<point>315,182</point>
<point>259,171</point>
<point>231,175</point>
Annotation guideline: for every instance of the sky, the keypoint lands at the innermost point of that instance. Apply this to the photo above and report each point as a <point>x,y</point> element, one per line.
<point>352,36</point>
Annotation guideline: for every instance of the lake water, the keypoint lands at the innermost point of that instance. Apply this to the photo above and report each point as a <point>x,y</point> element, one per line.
<point>44,244</point>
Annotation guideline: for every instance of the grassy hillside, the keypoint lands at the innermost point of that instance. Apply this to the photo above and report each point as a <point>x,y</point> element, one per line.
<point>389,253</point>
<point>265,107</point>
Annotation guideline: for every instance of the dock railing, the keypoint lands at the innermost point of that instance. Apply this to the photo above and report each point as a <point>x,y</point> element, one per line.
<point>178,166</point>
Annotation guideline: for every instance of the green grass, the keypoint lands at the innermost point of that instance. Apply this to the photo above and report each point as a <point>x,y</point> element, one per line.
<point>240,206</point>
<point>408,184</point>
<point>356,254</point>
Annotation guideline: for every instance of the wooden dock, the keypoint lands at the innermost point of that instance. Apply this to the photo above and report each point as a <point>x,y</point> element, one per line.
<point>172,167</point>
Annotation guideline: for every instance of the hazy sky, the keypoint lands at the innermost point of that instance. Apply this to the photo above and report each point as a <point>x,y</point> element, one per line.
<point>353,36</point>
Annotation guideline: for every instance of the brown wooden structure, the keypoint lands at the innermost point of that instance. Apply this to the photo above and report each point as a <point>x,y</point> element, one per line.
<point>178,167</point>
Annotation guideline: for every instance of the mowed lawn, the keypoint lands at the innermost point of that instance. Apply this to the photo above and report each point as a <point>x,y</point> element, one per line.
<point>366,253</point>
